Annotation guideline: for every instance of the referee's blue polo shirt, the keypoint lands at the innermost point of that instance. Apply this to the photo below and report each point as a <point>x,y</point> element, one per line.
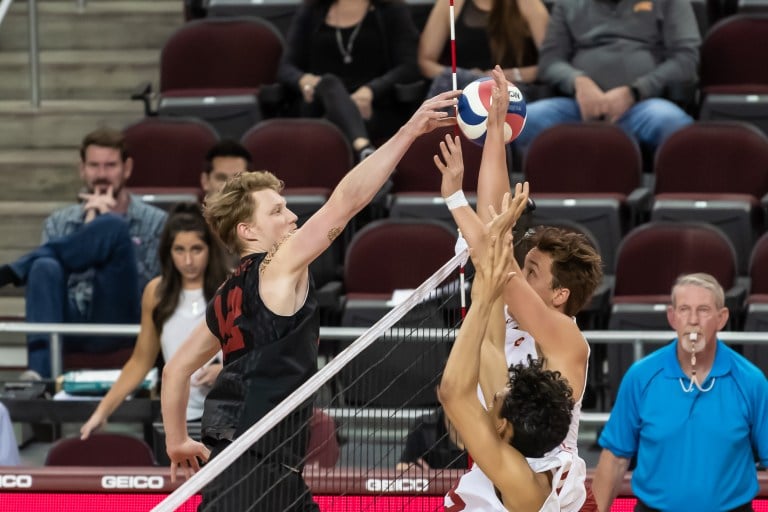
<point>694,449</point>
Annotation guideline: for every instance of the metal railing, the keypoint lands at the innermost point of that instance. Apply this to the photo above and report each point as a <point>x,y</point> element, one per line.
<point>33,50</point>
<point>635,338</point>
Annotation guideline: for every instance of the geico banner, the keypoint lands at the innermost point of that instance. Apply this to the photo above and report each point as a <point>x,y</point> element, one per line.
<point>132,482</point>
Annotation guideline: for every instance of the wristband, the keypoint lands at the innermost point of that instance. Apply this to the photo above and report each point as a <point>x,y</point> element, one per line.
<point>517,76</point>
<point>456,200</point>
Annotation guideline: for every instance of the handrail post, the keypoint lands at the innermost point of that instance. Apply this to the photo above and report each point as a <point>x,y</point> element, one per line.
<point>34,56</point>
<point>56,354</point>
<point>637,348</point>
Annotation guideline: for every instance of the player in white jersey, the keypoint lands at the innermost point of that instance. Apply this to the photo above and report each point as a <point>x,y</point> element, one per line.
<point>528,416</point>
<point>559,275</point>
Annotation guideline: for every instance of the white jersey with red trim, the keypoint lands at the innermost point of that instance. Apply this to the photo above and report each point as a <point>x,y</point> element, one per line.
<point>475,491</point>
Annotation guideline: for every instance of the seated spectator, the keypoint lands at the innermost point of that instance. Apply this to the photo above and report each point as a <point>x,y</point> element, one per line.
<point>343,59</point>
<point>612,62</point>
<point>193,265</point>
<point>9,448</point>
<point>225,159</point>
<point>430,446</point>
<point>488,32</point>
<point>96,256</point>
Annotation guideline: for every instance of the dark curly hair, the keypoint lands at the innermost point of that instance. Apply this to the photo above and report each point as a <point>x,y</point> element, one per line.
<point>539,406</point>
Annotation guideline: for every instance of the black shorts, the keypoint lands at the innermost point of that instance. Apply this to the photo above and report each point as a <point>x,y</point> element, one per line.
<point>253,484</point>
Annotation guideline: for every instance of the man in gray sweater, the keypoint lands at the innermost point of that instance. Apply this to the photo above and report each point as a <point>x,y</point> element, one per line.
<point>612,60</point>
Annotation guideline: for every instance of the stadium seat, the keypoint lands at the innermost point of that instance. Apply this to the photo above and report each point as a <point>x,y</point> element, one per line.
<point>756,316</point>
<point>196,80</point>
<point>416,183</point>
<point>650,258</point>
<point>168,157</point>
<point>589,173</point>
<point>715,172</point>
<point>101,449</point>
<point>733,80</point>
<point>389,255</point>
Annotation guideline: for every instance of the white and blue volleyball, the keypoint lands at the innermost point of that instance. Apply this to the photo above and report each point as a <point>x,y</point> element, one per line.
<point>474,103</point>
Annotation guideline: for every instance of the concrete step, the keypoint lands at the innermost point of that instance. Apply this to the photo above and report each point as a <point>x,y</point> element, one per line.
<point>61,123</point>
<point>103,24</point>
<point>79,74</point>
<point>21,224</point>
<point>35,174</point>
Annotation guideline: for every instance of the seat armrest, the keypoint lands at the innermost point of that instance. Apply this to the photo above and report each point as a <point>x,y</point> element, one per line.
<point>143,93</point>
<point>639,201</point>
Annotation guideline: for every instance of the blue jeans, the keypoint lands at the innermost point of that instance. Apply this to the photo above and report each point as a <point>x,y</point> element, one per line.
<point>104,245</point>
<point>649,121</point>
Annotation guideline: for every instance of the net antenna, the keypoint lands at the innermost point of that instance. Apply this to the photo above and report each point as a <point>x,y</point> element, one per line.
<point>306,391</point>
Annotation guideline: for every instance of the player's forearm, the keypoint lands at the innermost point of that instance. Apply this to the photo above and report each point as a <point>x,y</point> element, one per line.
<point>608,478</point>
<point>461,373</point>
<point>360,185</point>
<point>173,403</point>
<point>131,376</point>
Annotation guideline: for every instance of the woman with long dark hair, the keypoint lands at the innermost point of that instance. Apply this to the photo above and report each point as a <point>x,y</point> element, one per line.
<point>193,265</point>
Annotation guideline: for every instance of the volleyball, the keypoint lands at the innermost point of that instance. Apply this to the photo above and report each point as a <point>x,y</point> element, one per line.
<point>474,102</point>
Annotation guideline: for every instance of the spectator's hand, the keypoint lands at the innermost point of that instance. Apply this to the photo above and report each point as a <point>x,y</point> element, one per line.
<point>186,457</point>
<point>363,98</point>
<point>617,101</point>
<point>95,422</point>
<point>98,202</point>
<point>307,84</point>
<point>431,114</point>
<point>206,376</point>
<point>590,98</point>
<point>453,168</point>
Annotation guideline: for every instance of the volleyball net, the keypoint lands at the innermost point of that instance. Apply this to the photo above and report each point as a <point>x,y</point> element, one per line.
<point>362,431</point>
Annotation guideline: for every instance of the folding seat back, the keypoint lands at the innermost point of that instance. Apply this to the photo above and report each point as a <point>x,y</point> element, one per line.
<point>389,255</point>
<point>416,183</point>
<point>168,154</point>
<point>101,449</point>
<point>715,172</point>
<point>733,79</point>
<point>756,315</point>
<point>589,173</point>
<point>214,68</point>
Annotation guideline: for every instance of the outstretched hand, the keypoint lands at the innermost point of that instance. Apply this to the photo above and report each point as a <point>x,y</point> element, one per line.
<point>432,113</point>
<point>511,210</point>
<point>499,99</point>
<point>453,168</point>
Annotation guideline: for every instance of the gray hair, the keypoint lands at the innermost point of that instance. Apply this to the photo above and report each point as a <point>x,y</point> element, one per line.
<point>702,280</point>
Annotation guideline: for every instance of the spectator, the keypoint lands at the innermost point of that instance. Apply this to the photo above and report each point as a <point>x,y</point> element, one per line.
<point>488,32</point>
<point>343,60</point>
<point>225,159</point>
<point>96,256</point>
<point>430,446</point>
<point>694,409</point>
<point>9,449</point>
<point>612,61</point>
<point>193,265</point>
